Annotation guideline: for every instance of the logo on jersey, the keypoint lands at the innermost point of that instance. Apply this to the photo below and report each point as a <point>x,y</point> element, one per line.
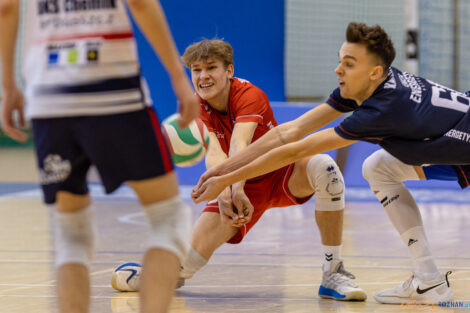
<point>53,58</point>
<point>72,56</point>
<point>414,83</point>
<point>54,169</point>
<point>92,55</point>
<point>457,134</point>
<point>55,6</point>
<point>48,6</point>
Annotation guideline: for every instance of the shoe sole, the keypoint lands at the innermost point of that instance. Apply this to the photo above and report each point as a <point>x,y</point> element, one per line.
<point>398,300</point>
<point>356,295</point>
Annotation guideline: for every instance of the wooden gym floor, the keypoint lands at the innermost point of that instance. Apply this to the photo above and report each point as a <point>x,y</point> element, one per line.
<point>275,269</point>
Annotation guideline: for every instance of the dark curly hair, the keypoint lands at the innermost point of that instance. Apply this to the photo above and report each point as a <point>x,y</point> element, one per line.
<point>375,39</point>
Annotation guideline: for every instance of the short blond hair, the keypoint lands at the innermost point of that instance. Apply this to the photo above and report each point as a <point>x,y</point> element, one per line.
<point>208,48</point>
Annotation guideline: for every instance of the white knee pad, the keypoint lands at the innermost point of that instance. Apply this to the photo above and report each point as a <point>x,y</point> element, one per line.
<point>325,177</point>
<point>170,226</point>
<point>75,237</point>
<point>383,171</point>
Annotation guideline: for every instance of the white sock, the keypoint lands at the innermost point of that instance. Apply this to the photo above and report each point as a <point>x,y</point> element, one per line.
<point>425,267</point>
<point>193,263</point>
<point>386,174</point>
<point>330,253</point>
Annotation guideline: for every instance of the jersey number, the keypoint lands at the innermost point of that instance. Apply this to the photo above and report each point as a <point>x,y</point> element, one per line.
<point>448,98</point>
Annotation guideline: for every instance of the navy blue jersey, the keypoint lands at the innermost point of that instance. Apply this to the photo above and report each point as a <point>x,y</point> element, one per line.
<point>407,115</point>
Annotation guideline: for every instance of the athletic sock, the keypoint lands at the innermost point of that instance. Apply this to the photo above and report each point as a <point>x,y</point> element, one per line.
<point>193,263</point>
<point>330,253</point>
<point>425,267</point>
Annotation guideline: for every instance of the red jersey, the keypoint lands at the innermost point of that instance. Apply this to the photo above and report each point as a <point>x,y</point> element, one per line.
<point>247,103</point>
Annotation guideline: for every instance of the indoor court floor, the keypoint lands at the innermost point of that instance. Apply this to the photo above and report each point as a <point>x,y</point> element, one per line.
<point>277,268</point>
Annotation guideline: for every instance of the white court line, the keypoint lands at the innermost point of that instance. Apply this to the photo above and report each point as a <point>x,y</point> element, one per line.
<point>129,219</point>
<point>52,261</point>
<point>230,286</point>
<point>397,267</point>
<point>194,298</point>
<point>48,283</point>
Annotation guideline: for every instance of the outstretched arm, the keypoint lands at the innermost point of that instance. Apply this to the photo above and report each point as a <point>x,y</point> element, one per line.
<point>319,142</point>
<point>151,20</point>
<point>282,134</point>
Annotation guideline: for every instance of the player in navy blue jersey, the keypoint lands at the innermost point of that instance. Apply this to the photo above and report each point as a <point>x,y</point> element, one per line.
<point>410,117</point>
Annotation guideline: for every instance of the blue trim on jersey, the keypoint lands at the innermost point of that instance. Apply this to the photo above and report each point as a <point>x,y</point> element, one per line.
<point>327,292</point>
<point>440,172</point>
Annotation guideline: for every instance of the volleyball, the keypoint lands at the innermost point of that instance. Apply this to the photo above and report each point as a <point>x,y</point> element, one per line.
<point>188,146</point>
<point>126,277</point>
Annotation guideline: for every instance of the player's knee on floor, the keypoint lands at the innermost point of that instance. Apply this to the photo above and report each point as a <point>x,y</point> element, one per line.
<point>170,226</point>
<point>325,177</point>
<point>75,237</point>
<point>383,170</point>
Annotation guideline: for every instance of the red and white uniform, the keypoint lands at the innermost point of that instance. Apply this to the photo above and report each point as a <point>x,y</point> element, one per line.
<point>80,58</point>
<point>248,103</point>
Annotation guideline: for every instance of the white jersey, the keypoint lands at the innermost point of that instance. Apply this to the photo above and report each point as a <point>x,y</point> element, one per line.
<point>80,58</point>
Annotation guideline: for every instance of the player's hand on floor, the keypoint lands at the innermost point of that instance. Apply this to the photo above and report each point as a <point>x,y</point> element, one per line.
<point>13,101</point>
<point>244,207</point>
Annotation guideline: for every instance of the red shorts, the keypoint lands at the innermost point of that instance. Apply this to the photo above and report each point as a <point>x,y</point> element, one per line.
<point>264,193</point>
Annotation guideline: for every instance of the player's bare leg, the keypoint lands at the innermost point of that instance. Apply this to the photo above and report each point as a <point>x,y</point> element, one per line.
<point>169,240</point>
<point>210,233</point>
<point>321,173</point>
<point>73,285</point>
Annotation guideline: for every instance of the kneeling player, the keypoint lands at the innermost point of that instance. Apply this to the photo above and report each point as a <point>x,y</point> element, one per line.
<point>236,114</point>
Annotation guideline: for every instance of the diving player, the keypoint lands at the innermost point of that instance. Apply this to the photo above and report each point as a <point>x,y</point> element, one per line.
<point>404,114</point>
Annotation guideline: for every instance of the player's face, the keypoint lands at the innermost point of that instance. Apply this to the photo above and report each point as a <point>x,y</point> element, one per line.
<point>211,78</point>
<point>357,72</point>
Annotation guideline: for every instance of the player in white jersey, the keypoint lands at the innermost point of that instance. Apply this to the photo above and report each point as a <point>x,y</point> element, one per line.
<point>89,105</point>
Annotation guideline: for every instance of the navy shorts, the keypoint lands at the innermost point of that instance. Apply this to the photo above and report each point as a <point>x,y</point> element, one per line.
<point>440,172</point>
<point>123,147</point>
<point>459,173</point>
